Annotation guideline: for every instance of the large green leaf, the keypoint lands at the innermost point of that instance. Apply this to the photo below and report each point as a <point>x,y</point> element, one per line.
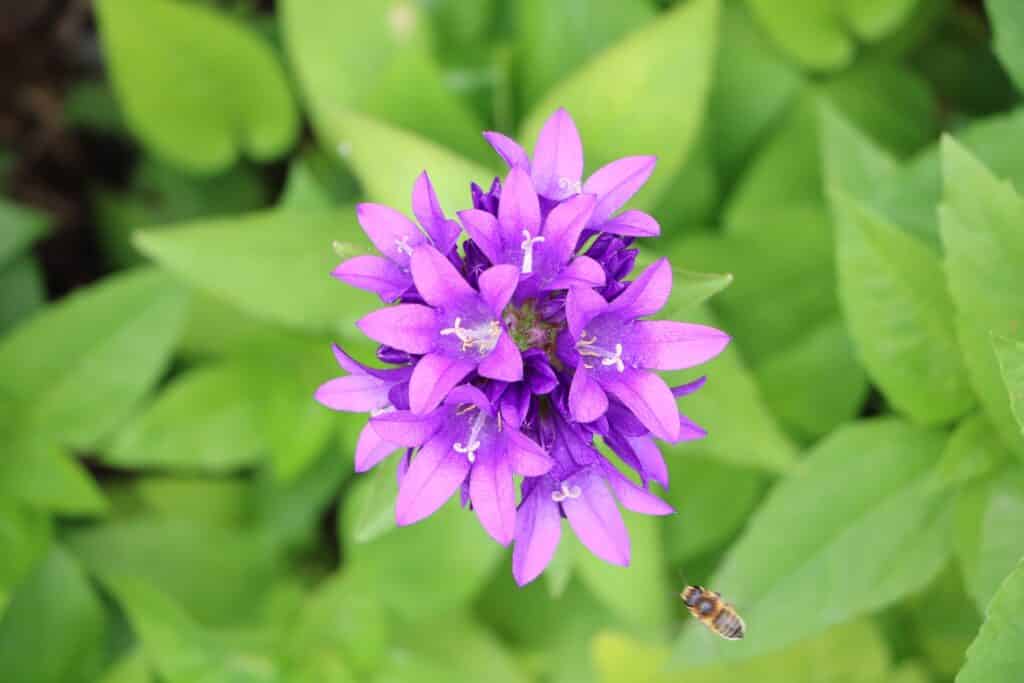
<point>987,538</point>
<point>981,219</point>
<point>375,58</point>
<point>22,291</point>
<point>54,629</point>
<point>943,622</point>
<point>19,227</point>
<point>1010,354</point>
<point>894,296</point>
<point>94,355</point>
<point>974,450</point>
<point>369,510</point>
<point>196,87</point>
<point>868,486</point>
<point>43,474</point>
<point>129,668</point>
<point>1007,19</point>
<point>667,65</point>
<point>247,261</point>
<point>25,536</point>
<point>997,654</point>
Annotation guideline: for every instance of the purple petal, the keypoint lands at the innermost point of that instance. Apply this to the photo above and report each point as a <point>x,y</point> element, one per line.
<point>649,456</point>
<point>515,401</point>
<point>634,498</point>
<point>494,497</point>
<point>482,228</point>
<point>428,212</point>
<point>587,400</point>
<point>408,327</point>
<point>503,363</point>
<point>596,520</point>
<point>689,430</point>
<point>394,235</point>
<point>497,284</point>
<point>558,158</point>
<point>347,362</point>
<point>583,272</point>
<point>524,456</point>
<point>435,474</point>
<point>685,389</point>
<point>538,530</point>
<point>668,345</point>
<point>434,376</point>
<point>581,306</point>
<point>632,223</point>
<point>519,209</point>
<point>406,428</point>
<point>436,279</point>
<point>371,449</point>
<point>563,226</point>
<point>353,393</point>
<point>648,397</point>
<point>508,149</point>
<point>467,393</point>
<point>374,274</point>
<point>615,183</point>
<point>647,294</point>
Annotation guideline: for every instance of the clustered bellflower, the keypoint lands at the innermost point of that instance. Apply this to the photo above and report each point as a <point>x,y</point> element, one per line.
<point>511,353</point>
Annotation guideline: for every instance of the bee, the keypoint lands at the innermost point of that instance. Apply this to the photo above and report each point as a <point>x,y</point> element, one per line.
<point>719,616</point>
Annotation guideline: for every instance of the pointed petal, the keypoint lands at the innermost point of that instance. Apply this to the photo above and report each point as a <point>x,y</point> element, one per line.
<point>425,205</point>
<point>538,530</point>
<point>434,376</point>
<point>634,498</point>
<point>467,393</point>
<point>436,279</point>
<point>494,497</point>
<point>524,456</point>
<point>354,367</point>
<point>347,362</point>
<point>581,306</point>
<point>508,149</point>
<point>519,209</point>
<point>689,430</point>
<point>503,363</point>
<point>374,274</point>
<point>596,520</point>
<point>371,449</point>
<point>584,272</point>
<point>407,327</point>
<point>406,428</point>
<point>563,226</point>
<point>615,183</point>
<point>648,397</point>
<point>558,158</point>
<point>353,393</point>
<point>668,345</point>
<point>647,294</point>
<point>649,456</point>
<point>632,224</point>
<point>482,228</point>
<point>394,235</point>
<point>497,284</point>
<point>689,387</point>
<point>587,400</point>
<point>435,473</point>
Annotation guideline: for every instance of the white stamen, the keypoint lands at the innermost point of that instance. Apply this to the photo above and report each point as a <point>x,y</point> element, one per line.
<point>474,442</point>
<point>527,247</point>
<point>382,410</point>
<point>484,336</point>
<point>616,359</point>
<point>567,492</point>
<point>402,246</point>
<point>587,347</point>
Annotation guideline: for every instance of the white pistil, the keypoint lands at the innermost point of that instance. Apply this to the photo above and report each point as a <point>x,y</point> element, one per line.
<point>567,492</point>
<point>527,247</point>
<point>402,246</point>
<point>587,348</point>
<point>470,449</point>
<point>484,336</point>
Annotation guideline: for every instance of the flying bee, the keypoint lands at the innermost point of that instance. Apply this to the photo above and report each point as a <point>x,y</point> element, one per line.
<point>719,616</point>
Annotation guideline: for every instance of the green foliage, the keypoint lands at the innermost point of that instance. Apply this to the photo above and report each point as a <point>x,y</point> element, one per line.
<point>996,654</point>
<point>1008,24</point>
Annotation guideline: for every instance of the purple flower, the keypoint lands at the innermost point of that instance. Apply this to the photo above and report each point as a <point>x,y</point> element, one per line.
<point>514,351</point>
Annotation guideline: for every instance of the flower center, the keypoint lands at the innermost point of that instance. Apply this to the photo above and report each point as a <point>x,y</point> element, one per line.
<point>529,330</point>
<point>483,336</point>
<point>587,347</point>
<point>527,247</point>
<point>472,444</point>
<point>566,492</point>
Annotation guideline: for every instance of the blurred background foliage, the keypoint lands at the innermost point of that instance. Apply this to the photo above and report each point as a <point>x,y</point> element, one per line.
<point>174,506</point>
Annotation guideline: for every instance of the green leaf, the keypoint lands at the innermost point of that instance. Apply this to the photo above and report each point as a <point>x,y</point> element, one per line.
<point>369,511</point>
<point>25,536</point>
<point>690,289</point>
<point>243,261</point>
<point>741,429</point>
<point>944,622</point>
<point>702,522</point>
<point>980,219</point>
<point>22,291</point>
<point>43,474</point>
<point>196,87</point>
<point>95,354</point>
<point>868,485</point>
<point>19,228</point>
<point>54,628</point>
<point>851,653</point>
<point>129,668</point>
<point>974,450</point>
<point>317,181</point>
<point>894,296</point>
<point>1010,354</point>
<point>1007,20</point>
<point>668,65</point>
<point>203,420</point>
<point>823,34</point>
<point>429,567</point>
<point>997,654</point>
<point>374,58</point>
<point>987,538</point>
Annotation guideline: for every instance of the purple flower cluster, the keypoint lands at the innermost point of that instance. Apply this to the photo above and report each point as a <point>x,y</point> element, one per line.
<point>515,351</point>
